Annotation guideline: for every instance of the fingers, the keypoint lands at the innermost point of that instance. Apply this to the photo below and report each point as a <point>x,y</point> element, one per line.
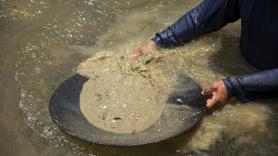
<point>216,93</point>
<point>211,102</point>
<point>149,46</point>
<point>134,55</point>
<point>208,90</point>
<point>215,98</point>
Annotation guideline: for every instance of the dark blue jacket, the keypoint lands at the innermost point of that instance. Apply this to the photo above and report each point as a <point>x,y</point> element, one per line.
<point>258,42</point>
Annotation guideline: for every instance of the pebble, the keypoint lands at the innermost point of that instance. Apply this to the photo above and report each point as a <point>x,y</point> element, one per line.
<point>179,101</point>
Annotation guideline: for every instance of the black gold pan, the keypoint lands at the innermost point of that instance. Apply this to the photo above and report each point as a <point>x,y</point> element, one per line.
<point>65,111</point>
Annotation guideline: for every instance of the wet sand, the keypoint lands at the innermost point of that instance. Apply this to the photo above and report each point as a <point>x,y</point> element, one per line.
<point>120,97</point>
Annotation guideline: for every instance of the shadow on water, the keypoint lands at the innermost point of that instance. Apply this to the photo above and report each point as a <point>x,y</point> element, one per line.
<point>228,59</point>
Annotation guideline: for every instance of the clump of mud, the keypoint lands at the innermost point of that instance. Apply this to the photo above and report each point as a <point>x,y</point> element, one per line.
<point>122,96</point>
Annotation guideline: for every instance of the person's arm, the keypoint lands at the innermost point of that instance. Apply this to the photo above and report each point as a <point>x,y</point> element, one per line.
<point>246,88</point>
<point>209,16</point>
<point>253,86</point>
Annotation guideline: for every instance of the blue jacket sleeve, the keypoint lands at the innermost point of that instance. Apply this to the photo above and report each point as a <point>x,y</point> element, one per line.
<point>250,87</point>
<point>209,16</point>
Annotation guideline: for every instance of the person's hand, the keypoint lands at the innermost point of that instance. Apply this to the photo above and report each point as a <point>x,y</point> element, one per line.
<point>149,46</point>
<point>216,93</point>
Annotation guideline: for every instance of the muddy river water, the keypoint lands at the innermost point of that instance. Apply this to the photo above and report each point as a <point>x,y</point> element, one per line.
<point>44,42</point>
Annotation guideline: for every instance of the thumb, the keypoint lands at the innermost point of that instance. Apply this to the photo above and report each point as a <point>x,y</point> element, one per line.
<point>211,102</point>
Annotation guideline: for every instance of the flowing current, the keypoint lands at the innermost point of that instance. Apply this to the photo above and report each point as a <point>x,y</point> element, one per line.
<point>44,42</point>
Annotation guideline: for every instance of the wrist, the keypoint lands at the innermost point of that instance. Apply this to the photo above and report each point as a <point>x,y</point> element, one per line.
<point>229,87</point>
<point>156,41</point>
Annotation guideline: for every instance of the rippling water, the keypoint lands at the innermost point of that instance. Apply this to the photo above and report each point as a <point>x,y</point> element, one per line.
<point>43,42</point>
